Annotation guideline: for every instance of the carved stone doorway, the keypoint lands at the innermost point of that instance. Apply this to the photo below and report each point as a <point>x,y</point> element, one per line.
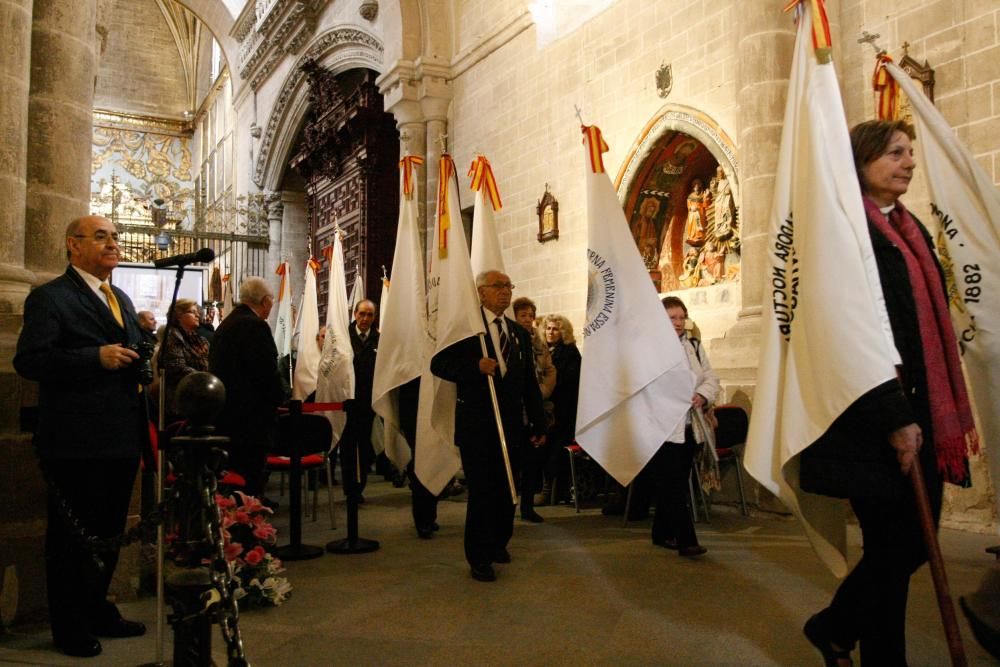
<point>347,156</point>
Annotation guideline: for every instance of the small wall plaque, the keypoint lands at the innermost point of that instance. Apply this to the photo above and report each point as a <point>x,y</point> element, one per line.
<point>548,217</point>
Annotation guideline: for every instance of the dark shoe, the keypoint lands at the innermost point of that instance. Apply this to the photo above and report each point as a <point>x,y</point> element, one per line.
<point>483,572</point>
<point>665,542</point>
<point>435,527</point>
<point>120,628</point>
<point>692,551</point>
<point>79,645</point>
<point>503,556</point>
<point>425,532</point>
<point>818,635</point>
<point>532,516</point>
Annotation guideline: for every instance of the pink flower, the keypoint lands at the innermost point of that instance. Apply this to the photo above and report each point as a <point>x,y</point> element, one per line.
<point>241,517</point>
<point>233,550</point>
<point>254,556</point>
<point>251,504</point>
<point>264,532</point>
<point>223,502</point>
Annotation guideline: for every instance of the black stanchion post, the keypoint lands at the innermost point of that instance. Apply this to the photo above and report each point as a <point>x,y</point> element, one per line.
<point>295,550</point>
<point>352,544</point>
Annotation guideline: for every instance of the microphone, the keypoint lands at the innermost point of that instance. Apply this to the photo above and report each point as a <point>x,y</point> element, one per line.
<point>203,255</point>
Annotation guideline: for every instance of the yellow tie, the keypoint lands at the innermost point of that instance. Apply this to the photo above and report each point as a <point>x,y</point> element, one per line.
<point>113,304</point>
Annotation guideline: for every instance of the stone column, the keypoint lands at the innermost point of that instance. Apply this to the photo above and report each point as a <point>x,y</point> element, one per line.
<point>15,62</point>
<point>294,238</point>
<point>764,59</point>
<point>275,209</point>
<point>60,117</point>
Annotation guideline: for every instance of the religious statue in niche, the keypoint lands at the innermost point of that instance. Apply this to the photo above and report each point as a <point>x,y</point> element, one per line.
<point>645,233</point>
<point>683,215</point>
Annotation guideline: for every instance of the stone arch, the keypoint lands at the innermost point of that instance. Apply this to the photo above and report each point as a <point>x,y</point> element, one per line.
<point>217,18</point>
<point>690,121</point>
<point>338,49</point>
<point>685,238</point>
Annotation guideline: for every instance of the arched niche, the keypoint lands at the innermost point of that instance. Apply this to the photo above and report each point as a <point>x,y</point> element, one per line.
<point>338,49</point>
<point>679,187</point>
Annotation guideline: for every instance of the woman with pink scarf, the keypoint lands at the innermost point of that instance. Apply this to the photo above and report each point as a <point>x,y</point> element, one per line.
<point>866,455</point>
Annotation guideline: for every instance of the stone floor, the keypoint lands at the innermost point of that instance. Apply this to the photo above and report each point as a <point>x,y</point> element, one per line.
<point>583,589</point>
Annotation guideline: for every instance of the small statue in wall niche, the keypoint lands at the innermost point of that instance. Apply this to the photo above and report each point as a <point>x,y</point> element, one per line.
<point>692,269</point>
<point>695,229</point>
<point>725,207</point>
<point>645,233</point>
<point>714,261</point>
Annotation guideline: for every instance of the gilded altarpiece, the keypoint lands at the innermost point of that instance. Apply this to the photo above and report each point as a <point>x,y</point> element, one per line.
<point>347,156</point>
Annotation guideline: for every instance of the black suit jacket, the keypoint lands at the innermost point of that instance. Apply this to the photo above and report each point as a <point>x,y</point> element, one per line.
<point>84,410</point>
<point>517,391</point>
<point>243,356</point>
<point>364,367</point>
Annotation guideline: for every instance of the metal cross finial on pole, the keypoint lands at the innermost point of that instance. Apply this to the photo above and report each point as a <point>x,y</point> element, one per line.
<point>869,39</point>
<point>579,113</point>
<point>443,142</point>
<point>404,138</point>
<point>385,274</point>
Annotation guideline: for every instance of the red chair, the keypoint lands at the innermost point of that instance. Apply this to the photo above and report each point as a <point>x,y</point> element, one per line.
<point>316,436</point>
<point>730,440</point>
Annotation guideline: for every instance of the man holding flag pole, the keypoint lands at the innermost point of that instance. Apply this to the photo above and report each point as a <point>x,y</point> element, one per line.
<point>860,385</point>
<point>476,379</point>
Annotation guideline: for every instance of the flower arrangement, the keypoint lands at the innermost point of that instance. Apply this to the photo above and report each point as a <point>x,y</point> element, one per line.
<point>248,536</point>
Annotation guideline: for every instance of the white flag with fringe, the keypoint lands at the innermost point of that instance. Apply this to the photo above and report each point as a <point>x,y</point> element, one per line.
<point>967,207</point>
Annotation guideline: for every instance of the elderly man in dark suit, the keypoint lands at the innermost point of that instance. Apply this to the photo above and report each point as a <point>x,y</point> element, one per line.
<point>357,438</point>
<point>92,426</point>
<point>489,518</point>
<point>244,357</point>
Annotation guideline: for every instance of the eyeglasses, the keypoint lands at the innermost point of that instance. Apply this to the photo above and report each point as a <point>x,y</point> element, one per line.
<point>100,236</point>
<point>509,286</point>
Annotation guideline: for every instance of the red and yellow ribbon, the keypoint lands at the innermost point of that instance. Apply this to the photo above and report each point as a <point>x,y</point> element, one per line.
<point>327,255</point>
<point>446,171</point>
<point>596,147</point>
<point>408,164</point>
<point>887,89</point>
<point>822,42</point>
<point>482,176</point>
<point>282,271</point>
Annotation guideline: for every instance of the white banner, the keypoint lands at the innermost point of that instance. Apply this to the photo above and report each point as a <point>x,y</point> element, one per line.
<point>967,207</point>
<point>335,383</point>
<point>404,345</point>
<point>823,340</point>
<point>453,314</point>
<point>635,381</point>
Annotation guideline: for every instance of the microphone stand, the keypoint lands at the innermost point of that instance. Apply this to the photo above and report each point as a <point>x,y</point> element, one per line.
<point>161,465</point>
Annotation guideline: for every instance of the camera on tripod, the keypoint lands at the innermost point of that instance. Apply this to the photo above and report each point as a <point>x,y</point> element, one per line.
<point>143,365</point>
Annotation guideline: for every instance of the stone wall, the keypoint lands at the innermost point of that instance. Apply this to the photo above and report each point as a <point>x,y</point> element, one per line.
<point>516,106</point>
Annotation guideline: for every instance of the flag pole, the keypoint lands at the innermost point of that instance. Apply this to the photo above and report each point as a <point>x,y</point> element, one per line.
<point>945,604</point>
<point>496,415</point>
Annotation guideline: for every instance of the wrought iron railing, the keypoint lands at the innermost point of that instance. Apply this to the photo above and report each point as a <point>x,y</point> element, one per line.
<point>239,255</point>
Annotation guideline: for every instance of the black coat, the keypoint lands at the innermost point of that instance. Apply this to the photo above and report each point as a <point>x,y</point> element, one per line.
<point>517,391</point>
<point>567,360</point>
<point>84,410</point>
<point>854,458</point>
<point>243,356</point>
<point>364,368</point>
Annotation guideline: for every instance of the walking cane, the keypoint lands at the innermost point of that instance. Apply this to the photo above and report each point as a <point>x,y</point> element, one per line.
<point>496,414</point>
<point>945,603</point>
